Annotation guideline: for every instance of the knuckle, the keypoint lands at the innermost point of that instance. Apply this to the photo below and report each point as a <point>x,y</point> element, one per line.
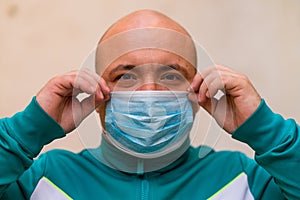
<point>245,80</point>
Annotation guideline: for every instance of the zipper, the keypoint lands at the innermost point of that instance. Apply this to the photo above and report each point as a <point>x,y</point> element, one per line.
<point>144,188</point>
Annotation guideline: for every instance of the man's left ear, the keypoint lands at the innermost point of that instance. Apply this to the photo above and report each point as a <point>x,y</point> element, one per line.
<point>98,109</point>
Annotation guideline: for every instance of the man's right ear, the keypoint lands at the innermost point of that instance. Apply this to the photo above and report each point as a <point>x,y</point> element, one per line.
<point>101,111</point>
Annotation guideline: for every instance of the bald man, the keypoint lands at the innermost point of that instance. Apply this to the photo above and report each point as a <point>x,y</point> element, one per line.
<point>144,159</point>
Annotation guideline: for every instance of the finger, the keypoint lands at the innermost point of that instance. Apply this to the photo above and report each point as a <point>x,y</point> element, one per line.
<point>207,75</point>
<point>64,85</point>
<point>103,91</point>
<point>194,88</point>
<point>97,86</point>
<point>86,85</point>
<point>90,77</point>
<point>202,92</point>
<point>88,81</point>
<point>104,86</point>
<point>197,80</point>
<point>205,87</point>
<point>98,80</point>
<point>101,85</point>
<point>215,84</point>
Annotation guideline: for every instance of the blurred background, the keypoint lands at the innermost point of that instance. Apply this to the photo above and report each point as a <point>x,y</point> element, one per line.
<point>41,39</point>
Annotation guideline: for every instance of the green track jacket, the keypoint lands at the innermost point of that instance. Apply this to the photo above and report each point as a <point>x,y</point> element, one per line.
<point>59,174</point>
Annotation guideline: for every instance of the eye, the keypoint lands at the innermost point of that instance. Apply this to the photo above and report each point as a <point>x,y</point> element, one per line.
<point>125,81</point>
<point>125,77</point>
<point>128,76</point>
<point>171,77</point>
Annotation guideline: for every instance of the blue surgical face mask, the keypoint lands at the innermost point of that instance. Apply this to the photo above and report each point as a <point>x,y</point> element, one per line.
<point>148,122</point>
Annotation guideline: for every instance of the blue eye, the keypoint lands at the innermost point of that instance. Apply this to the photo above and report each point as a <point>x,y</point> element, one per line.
<point>128,77</point>
<point>171,77</point>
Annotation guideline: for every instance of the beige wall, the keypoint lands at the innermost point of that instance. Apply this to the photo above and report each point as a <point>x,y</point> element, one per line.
<point>40,39</point>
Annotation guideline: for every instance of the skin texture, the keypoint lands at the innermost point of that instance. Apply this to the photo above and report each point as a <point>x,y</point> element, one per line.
<point>240,101</point>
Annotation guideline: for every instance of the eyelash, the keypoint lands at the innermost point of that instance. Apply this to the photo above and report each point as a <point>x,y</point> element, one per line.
<point>177,76</point>
<point>120,76</point>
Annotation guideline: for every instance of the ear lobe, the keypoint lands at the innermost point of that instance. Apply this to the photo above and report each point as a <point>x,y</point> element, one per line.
<point>98,109</point>
<point>101,111</point>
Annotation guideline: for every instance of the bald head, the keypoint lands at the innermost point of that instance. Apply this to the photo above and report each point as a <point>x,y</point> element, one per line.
<point>143,19</point>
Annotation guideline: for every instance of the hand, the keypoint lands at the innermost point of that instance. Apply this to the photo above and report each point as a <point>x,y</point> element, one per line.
<point>58,97</point>
<point>233,108</point>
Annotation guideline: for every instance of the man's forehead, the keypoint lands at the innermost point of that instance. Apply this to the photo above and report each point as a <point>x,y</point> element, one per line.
<point>143,19</point>
<point>145,38</point>
<point>148,56</point>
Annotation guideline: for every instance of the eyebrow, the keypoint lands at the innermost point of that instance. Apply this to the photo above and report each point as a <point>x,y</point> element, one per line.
<point>122,67</point>
<point>175,67</point>
<point>162,68</point>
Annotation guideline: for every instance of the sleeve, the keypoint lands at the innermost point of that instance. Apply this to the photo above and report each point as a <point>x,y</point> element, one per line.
<point>21,139</point>
<point>276,144</point>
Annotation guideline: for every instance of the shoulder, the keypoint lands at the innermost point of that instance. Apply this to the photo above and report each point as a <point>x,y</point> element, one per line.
<point>207,153</point>
<point>65,163</point>
<point>220,161</point>
<point>59,159</point>
<point>62,155</point>
<point>227,162</point>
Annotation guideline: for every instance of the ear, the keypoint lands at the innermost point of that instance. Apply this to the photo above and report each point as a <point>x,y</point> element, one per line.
<point>101,111</point>
<point>98,109</point>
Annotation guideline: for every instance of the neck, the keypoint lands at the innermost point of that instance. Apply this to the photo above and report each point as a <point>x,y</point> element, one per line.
<point>122,161</point>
